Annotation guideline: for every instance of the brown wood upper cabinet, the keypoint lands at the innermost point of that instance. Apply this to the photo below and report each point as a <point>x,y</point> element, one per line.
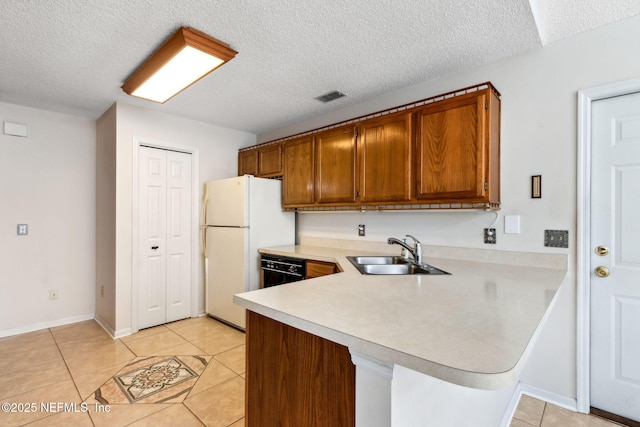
<point>264,161</point>
<point>457,149</point>
<point>384,159</point>
<point>298,160</point>
<point>442,153</point>
<point>335,178</point>
<point>248,162</point>
<point>270,160</point>
<point>320,169</point>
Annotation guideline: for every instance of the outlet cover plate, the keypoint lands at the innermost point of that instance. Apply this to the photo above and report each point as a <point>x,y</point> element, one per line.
<point>556,238</point>
<point>490,236</point>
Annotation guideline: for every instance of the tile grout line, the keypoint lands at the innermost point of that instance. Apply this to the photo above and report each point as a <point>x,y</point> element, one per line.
<point>64,360</point>
<point>544,409</point>
<point>193,413</point>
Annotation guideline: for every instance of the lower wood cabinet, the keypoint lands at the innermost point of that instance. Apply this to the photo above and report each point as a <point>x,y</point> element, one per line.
<point>319,269</point>
<point>295,378</point>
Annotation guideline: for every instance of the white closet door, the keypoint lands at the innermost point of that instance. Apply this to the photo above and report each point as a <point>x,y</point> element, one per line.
<point>179,196</point>
<point>164,236</point>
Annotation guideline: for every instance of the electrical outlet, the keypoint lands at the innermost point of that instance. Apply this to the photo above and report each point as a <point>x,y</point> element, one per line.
<point>361,230</point>
<point>53,294</point>
<point>556,238</point>
<point>23,229</point>
<point>490,236</point>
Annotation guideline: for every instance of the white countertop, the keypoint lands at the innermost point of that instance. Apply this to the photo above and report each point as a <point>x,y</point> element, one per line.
<point>474,327</point>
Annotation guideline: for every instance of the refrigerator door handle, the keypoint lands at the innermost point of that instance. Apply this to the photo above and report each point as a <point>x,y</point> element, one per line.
<point>205,203</point>
<point>204,241</point>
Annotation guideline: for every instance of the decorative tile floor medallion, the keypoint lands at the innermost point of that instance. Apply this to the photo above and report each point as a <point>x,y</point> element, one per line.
<point>161,379</point>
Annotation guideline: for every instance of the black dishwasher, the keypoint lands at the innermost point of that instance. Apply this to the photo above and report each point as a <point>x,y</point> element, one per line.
<point>278,270</point>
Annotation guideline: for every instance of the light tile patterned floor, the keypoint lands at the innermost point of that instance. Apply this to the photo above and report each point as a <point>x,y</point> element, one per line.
<point>536,413</point>
<point>51,378</point>
<point>186,373</point>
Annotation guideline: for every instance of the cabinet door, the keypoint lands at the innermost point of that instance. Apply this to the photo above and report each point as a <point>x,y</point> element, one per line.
<point>248,162</point>
<point>336,166</point>
<point>450,149</point>
<point>298,172</point>
<point>319,269</point>
<point>270,160</point>
<point>384,159</point>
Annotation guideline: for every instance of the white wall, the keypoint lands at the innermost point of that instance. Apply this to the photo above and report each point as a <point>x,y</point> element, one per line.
<point>48,182</point>
<point>106,218</point>
<point>218,150</point>
<point>538,137</point>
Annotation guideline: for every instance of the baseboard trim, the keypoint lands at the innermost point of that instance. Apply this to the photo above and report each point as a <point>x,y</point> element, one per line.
<point>108,329</point>
<point>550,397</point>
<point>46,325</point>
<point>100,321</point>
<point>537,393</point>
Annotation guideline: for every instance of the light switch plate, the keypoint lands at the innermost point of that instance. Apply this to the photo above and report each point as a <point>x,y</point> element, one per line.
<point>512,224</point>
<point>556,238</point>
<point>16,129</point>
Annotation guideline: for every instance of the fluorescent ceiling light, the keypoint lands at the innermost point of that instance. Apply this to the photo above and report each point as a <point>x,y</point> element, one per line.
<point>185,58</point>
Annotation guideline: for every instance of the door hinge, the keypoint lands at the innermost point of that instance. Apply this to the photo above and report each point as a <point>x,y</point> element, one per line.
<point>486,105</point>
<point>486,185</point>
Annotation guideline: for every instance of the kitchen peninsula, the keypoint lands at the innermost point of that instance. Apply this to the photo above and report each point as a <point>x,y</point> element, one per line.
<point>417,340</point>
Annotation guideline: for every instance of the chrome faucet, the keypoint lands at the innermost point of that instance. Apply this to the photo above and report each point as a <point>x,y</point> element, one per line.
<point>416,250</point>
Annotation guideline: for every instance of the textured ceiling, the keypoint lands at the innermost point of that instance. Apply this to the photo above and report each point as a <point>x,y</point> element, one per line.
<point>72,56</point>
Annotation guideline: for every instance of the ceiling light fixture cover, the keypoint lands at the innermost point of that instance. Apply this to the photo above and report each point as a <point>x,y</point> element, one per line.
<point>185,58</point>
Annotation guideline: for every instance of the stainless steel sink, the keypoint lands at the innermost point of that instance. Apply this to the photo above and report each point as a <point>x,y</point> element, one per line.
<point>391,265</point>
<point>368,260</point>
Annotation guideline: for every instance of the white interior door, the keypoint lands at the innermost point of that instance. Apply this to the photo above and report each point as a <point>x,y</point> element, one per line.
<point>615,259</point>
<point>164,236</point>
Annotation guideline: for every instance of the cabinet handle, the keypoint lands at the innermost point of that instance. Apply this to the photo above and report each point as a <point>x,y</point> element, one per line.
<point>154,247</point>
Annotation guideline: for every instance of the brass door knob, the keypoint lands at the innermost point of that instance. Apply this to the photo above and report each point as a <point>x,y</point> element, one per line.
<point>602,250</point>
<point>602,271</point>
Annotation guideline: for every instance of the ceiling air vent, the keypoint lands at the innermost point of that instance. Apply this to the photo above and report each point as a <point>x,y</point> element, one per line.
<point>330,96</point>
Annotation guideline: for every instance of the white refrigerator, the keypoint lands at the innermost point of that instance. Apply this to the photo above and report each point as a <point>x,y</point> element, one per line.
<point>241,215</point>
